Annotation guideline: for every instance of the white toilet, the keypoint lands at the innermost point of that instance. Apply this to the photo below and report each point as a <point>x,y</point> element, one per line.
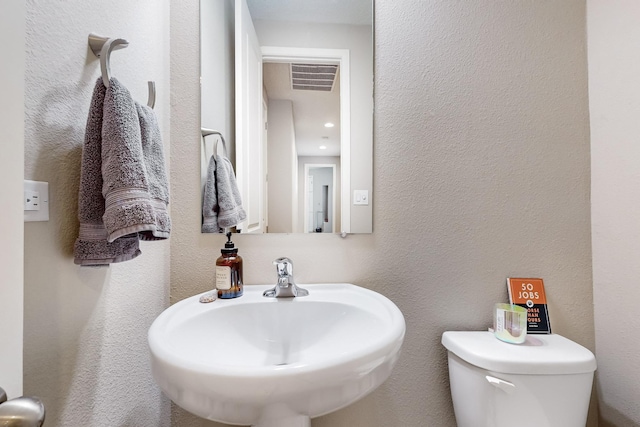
<point>544,382</point>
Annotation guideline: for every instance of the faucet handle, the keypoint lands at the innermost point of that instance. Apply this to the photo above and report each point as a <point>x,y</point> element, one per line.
<point>284,267</point>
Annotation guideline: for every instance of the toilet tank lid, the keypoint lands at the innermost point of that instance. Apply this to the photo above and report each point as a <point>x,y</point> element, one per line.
<point>538,355</point>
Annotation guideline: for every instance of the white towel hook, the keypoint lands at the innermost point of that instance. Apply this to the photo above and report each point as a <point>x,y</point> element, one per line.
<point>206,132</point>
<point>102,48</point>
<point>152,94</point>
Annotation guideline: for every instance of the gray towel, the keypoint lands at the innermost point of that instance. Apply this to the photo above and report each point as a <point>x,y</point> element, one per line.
<point>230,211</point>
<point>221,205</point>
<point>210,201</point>
<point>91,246</point>
<point>156,175</point>
<point>134,185</point>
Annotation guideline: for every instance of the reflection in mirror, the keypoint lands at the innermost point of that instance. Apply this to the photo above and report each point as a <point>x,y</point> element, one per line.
<point>296,108</point>
<point>320,197</point>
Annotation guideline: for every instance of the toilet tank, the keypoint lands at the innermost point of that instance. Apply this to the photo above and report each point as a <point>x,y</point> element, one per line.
<point>544,382</point>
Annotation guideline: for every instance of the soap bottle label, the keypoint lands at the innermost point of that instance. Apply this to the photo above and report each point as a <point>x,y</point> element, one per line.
<point>223,277</point>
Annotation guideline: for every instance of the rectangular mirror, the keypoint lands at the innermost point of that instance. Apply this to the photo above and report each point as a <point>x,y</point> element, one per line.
<point>287,97</point>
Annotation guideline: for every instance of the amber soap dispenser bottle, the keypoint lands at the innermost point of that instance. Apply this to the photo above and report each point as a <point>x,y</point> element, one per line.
<point>229,271</point>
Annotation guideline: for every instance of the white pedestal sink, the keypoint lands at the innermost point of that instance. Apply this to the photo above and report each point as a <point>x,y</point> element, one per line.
<point>275,362</point>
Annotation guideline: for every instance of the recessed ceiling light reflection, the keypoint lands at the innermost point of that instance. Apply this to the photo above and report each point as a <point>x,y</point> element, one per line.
<point>329,125</point>
<point>323,147</point>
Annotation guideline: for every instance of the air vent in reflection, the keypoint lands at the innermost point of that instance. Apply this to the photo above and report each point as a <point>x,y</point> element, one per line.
<point>313,76</point>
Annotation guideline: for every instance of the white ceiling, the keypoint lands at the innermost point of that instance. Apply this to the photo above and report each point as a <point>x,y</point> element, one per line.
<point>354,12</point>
<point>311,110</point>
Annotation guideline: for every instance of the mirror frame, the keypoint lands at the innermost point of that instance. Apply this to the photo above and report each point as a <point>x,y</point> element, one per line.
<point>349,212</point>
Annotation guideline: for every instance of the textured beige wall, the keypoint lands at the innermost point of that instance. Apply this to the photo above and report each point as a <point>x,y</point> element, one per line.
<point>11,172</point>
<point>614,99</point>
<point>481,160</point>
<point>85,328</point>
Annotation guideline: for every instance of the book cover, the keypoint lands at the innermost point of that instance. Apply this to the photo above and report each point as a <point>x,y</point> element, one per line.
<point>529,293</point>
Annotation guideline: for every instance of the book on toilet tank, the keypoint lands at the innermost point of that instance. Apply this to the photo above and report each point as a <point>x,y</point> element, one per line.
<point>529,293</point>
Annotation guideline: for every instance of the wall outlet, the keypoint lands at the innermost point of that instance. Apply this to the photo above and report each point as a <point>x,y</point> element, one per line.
<point>36,201</point>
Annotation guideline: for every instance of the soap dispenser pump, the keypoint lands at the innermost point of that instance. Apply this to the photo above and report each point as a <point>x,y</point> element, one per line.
<point>229,271</point>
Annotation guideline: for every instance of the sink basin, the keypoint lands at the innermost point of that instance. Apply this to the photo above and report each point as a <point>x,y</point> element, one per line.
<point>270,362</point>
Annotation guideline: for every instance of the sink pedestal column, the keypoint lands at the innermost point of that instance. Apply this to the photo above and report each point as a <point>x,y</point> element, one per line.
<point>295,421</point>
<point>280,415</point>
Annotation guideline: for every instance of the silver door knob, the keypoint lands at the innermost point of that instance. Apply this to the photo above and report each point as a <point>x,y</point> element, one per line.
<point>21,411</point>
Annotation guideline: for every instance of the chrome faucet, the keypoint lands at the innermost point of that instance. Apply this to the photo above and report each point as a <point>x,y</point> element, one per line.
<point>286,286</point>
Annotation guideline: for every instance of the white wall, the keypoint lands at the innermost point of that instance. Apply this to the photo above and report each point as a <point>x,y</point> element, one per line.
<point>281,153</point>
<point>482,171</point>
<point>12,26</point>
<point>358,40</point>
<point>614,98</point>
<point>217,70</point>
<point>85,348</point>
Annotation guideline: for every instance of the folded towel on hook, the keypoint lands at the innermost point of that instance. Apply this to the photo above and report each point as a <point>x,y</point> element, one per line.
<point>156,174</point>
<point>123,187</point>
<point>91,246</point>
<point>134,181</point>
<point>231,212</point>
<point>210,200</point>
<point>222,204</point>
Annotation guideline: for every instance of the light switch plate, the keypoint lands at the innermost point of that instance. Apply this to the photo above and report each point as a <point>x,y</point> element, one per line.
<point>360,197</point>
<point>36,201</point>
